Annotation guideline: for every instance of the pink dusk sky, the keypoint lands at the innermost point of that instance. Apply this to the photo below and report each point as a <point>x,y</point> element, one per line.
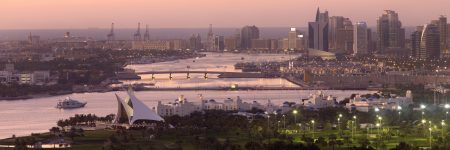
<point>48,14</point>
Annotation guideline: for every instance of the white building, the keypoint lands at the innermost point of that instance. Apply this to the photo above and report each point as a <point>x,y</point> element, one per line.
<point>182,107</point>
<point>36,77</point>
<point>391,102</point>
<point>131,111</point>
<point>319,100</point>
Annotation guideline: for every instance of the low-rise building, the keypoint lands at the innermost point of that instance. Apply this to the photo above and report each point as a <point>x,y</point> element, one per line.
<point>319,100</point>
<point>152,45</point>
<point>390,102</point>
<point>182,107</point>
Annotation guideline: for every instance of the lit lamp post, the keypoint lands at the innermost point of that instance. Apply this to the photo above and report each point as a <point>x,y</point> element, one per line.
<point>446,106</point>
<point>443,128</point>
<point>422,107</point>
<point>354,126</point>
<point>430,135</point>
<point>278,124</point>
<point>378,126</point>
<point>295,116</point>
<point>268,120</point>
<point>339,123</point>
<point>312,121</point>
<point>284,121</point>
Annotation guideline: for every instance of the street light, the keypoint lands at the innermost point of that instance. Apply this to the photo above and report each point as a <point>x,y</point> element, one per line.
<point>312,121</point>
<point>354,126</point>
<point>422,107</point>
<point>378,126</point>
<point>446,106</point>
<point>443,128</point>
<point>339,125</point>
<point>339,122</point>
<point>295,116</point>
<point>430,136</point>
<point>284,121</point>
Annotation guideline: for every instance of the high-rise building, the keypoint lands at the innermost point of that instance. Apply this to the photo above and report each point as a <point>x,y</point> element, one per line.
<point>344,39</point>
<point>318,31</point>
<point>391,35</point>
<point>274,44</point>
<point>179,44</point>
<point>283,44</point>
<point>247,34</point>
<point>441,24</point>
<point>261,44</point>
<point>231,43</point>
<point>295,40</point>
<point>429,42</point>
<point>415,41</point>
<point>210,40</point>
<point>336,23</point>
<point>195,42</point>
<point>219,43</point>
<point>360,43</point>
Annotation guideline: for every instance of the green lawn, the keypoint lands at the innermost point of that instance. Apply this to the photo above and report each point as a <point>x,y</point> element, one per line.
<point>96,139</point>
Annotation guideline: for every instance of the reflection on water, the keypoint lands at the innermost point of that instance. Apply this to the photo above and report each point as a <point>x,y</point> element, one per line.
<point>198,81</point>
<point>212,62</point>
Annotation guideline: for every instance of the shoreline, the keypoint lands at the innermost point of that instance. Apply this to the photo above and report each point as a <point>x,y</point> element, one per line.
<point>34,96</point>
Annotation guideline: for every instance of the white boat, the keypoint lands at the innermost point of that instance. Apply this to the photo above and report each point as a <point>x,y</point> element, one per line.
<point>68,103</point>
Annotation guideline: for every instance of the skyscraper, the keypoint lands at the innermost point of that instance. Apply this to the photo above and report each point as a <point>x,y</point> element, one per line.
<point>210,40</point>
<point>219,43</point>
<point>441,24</point>
<point>429,42</point>
<point>344,38</point>
<point>336,23</point>
<point>391,35</point>
<point>195,42</point>
<point>247,34</point>
<point>360,43</point>
<point>318,31</point>
<point>415,41</point>
<point>293,38</point>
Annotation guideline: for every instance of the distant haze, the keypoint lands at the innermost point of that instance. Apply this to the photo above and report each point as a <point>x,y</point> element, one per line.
<point>70,14</point>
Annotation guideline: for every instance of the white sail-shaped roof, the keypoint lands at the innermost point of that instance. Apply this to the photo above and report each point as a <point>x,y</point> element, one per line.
<point>135,110</point>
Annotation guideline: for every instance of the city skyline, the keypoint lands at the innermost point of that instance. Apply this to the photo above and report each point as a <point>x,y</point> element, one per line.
<point>52,14</point>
